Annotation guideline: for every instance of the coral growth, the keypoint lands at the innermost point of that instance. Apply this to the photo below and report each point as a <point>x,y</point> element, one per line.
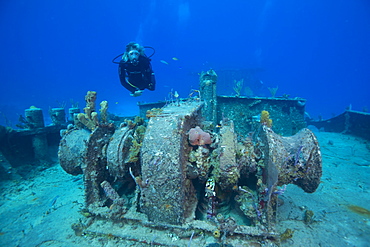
<point>90,99</point>
<point>265,119</point>
<point>227,225</point>
<point>154,112</point>
<point>137,138</point>
<point>103,111</point>
<point>273,91</point>
<point>238,85</point>
<point>134,151</point>
<point>197,137</point>
<point>90,117</point>
<point>201,157</point>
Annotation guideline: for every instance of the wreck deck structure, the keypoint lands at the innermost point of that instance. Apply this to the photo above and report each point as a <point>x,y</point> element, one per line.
<point>206,169</point>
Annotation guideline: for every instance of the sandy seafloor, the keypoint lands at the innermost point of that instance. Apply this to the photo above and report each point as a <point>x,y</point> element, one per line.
<point>30,215</point>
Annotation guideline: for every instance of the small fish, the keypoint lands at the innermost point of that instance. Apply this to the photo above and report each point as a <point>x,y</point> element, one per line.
<point>162,61</point>
<point>175,59</point>
<point>76,179</point>
<point>53,201</point>
<point>116,103</point>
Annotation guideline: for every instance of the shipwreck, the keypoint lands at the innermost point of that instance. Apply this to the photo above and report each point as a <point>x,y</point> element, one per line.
<point>207,165</point>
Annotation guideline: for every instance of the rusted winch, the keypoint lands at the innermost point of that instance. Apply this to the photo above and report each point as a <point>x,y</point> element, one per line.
<point>159,172</point>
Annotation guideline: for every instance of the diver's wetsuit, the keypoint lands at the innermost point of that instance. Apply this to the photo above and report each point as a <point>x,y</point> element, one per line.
<point>137,77</point>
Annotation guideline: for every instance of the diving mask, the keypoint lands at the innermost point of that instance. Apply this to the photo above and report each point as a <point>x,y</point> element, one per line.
<point>134,56</point>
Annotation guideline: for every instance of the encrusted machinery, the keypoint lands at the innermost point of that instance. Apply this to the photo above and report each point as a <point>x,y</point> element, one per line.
<point>180,172</point>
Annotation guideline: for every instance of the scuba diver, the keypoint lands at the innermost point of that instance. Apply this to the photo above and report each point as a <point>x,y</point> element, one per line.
<point>135,71</point>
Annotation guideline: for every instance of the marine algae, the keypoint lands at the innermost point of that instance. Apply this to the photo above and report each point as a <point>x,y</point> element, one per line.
<point>308,217</point>
<point>286,235</point>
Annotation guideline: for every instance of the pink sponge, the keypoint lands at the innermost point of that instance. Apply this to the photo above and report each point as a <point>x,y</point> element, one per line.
<point>198,137</point>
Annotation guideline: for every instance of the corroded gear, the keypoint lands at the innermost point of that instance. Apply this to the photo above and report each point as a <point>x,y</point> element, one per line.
<point>71,148</point>
<point>297,159</point>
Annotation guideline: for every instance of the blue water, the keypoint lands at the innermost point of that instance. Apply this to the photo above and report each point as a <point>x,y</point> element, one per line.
<point>55,51</point>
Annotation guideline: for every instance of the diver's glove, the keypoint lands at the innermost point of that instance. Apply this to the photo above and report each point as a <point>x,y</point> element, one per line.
<point>136,93</point>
